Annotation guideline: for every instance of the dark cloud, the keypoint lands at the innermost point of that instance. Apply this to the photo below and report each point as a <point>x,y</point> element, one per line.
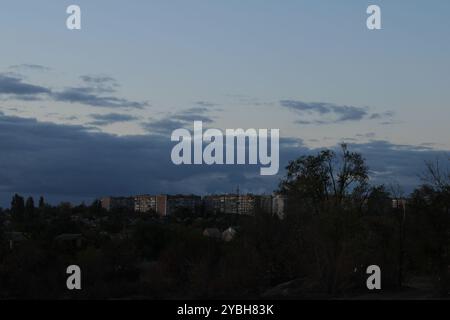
<point>393,163</point>
<point>164,126</point>
<point>61,159</point>
<point>32,67</point>
<point>99,79</point>
<point>92,94</point>
<point>389,122</point>
<point>336,113</point>
<point>193,114</point>
<point>70,118</point>
<point>307,122</point>
<point>100,84</point>
<point>15,86</point>
<point>69,162</point>
<point>91,97</point>
<point>182,119</point>
<point>110,118</point>
<point>384,115</point>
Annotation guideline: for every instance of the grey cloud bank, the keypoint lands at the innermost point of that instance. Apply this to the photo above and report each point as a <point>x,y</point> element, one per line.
<point>66,162</point>
<point>13,85</point>
<point>110,118</point>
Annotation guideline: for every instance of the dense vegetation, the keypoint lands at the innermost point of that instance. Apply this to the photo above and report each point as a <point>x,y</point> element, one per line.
<point>336,225</point>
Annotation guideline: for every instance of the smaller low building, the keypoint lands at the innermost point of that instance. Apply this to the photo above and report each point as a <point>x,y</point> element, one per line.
<point>15,239</point>
<point>229,234</point>
<point>212,233</point>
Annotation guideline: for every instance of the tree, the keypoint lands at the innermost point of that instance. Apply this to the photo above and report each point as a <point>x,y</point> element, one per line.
<point>326,176</point>
<point>17,209</point>
<point>325,195</point>
<point>379,201</point>
<point>96,207</point>
<point>433,201</point>
<point>2,231</point>
<point>29,207</point>
<point>41,202</point>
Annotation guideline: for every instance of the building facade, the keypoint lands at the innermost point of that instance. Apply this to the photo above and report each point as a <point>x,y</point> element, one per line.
<point>167,205</point>
<point>145,203</point>
<point>118,203</point>
<point>220,204</point>
<point>279,205</point>
<point>245,204</point>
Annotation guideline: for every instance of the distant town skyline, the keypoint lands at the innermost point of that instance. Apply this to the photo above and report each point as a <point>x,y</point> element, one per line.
<point>88,113</point>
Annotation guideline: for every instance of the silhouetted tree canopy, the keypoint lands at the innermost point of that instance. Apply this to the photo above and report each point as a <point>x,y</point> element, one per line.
<point>336,224</point>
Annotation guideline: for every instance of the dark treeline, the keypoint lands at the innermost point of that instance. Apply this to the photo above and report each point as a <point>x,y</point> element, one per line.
<point>336,224</point>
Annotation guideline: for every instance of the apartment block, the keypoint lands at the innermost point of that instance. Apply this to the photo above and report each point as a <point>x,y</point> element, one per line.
<point>118,203</point>
<point>279,205</point>
<point>167,205</point>
<point>145,203</point>
<point>226,203</point>
<point>245,204</point>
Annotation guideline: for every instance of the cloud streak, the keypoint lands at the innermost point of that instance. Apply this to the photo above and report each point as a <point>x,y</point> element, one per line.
<point>326,113</point>
<point>110,118</point>
<point>90,97</point>
<point>182,119</point>
<point>29,66</point>
<point>96,92</point>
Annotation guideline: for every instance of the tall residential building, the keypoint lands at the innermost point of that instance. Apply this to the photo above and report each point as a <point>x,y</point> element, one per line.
<point>265,203</point>
<point>225,203</point>
<point>214,204</point>
<point>279,205</point>
<point>167,205</point>
<point>145,203</point>
<point>116,203</point>
<point>245,204</point>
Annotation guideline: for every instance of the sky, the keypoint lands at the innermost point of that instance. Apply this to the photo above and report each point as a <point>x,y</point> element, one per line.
<point>87,113</point>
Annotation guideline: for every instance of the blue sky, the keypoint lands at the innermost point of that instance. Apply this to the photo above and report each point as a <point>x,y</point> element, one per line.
<point>138,69</point>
